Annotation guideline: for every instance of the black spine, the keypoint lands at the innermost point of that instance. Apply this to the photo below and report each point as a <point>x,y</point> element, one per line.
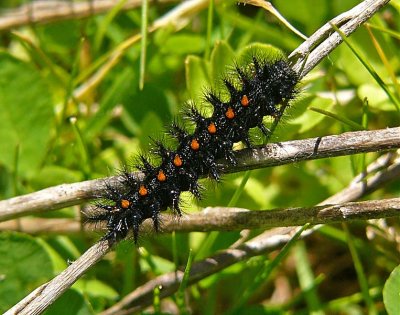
<point>263,86</point>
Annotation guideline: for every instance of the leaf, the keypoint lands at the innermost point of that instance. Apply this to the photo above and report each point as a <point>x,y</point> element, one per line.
<point>24,265</point>
<point>391,292</point>
<point>221,56</point>
<point>309,119</point>
<point>71,302</point>
<point>155,131</point>
<point>53,175</point>
<point>197,77</point>
<point>183,44</point>
<point>96,288</point>
<point>113,95</point>
<point>377,98</point>
<point>26,115</point>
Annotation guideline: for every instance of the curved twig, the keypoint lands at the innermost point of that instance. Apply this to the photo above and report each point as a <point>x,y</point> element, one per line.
<point>325,40</point>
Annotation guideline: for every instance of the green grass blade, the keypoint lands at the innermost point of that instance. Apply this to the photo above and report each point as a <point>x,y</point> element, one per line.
<point>239,190</point>
<point>82,148</point>
<point>362,279</point>
<point>394,34</point>
<point>342,304</point>
<point>209,29</point>
<point>15,173</point>
<point>180,294</point>
<point>106,22</point>
<point>175,250</point>
<point>385,61</point>
<point>211,238</point>
<point>38,56</point>
<point>143,43</point>
<point>267,270</point>
<point>370,69</point>
<point>307,279</point>
<point>350,123</point>
<point>157,300</point>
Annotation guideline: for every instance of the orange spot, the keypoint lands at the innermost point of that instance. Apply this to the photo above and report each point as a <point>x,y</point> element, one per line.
<point>177,161</point>
<point>142,190</point>
<point>230,114</point>
<point>125,203</point>
<point>245,101</point>
<point>161,176</point>
<point>212,128</point>
<point>195,145</point>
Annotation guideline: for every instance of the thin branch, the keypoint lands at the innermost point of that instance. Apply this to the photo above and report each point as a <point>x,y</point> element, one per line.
<point>45,11</point>
<point>234,219</point>
<point>272,154</point>
<point>33,225</point>
<point>325,40</point>
<point>265,242</point>
<point>347,143</point>
<point>388,167</point>
<point>52,198</point>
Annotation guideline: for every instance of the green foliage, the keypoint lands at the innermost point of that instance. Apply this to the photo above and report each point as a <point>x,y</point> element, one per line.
<point>26,114</point>
<point>391,292</point>
<point>70,303</point>
<point>71,109</point>
<point>24,265</point>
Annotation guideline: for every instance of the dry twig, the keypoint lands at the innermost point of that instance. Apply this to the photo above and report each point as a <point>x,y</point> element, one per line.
<point>45,11</point>
<point>324,40</point>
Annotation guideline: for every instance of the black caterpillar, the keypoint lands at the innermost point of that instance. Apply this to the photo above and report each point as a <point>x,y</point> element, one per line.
<point>255,92</point>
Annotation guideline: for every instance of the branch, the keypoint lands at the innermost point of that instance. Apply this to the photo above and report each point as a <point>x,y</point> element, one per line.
<point>388,169</point>
<point>44,11</point>
<point>236,219</point>
<point>325,40</point>
<point>272,154</point>
<point>386,166</point>
<point>33,225</point>
<point>266,242</point>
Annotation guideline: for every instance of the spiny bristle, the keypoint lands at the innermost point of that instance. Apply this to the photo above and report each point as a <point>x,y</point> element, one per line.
<point>177,132</point>
<point>261,87</point>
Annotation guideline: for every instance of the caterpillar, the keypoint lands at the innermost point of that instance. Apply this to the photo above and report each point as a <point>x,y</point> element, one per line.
<point>254,91</point>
